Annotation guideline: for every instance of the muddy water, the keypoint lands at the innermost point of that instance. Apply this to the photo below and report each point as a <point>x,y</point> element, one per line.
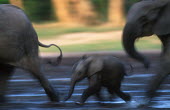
<point>25,93</point>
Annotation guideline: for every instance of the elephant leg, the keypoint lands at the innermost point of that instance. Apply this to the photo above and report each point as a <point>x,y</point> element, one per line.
<point>155,83</point>
<point>116,89</point>
<point>34,67</point>
<point>91,90</point>
<point>46,85</point>
<point>5,73</point>
<point>99,96</point>
<point>163,71</point>
<point>111,92</point>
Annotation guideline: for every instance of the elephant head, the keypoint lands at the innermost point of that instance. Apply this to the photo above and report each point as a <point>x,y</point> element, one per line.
<point>85,67</point>
<point>145,18</point>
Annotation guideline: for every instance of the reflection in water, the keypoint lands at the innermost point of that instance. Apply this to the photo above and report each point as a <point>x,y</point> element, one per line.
<point>106,102</point>
<point>31,80</point>
<point>131,85</point>
<point>140,75</point>
<point>161,104</point>
<point>25,95</point>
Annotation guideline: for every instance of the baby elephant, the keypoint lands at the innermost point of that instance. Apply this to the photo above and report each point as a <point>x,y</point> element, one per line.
<point>106,71</point>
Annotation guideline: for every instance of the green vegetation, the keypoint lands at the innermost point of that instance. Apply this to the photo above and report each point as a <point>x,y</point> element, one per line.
<point>101,7</point>
<point>38,10</point>
<point>4,1</point>
<point>106,45</point>
<point>51,32</point>
<point>149,43</point>
<point>100,46</point>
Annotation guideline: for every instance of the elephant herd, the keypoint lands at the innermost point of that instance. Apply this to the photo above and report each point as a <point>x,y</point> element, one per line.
<point>19,49</point>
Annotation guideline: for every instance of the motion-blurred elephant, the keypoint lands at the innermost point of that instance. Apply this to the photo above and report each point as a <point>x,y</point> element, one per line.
<point>19,48</point>
<point>106,71</point>
<point>146,18</point>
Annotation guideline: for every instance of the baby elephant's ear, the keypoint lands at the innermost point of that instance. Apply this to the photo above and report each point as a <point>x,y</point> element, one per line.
<point>95,66</point>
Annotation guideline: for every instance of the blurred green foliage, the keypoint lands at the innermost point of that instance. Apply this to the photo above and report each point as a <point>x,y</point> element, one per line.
<point>53,32</point>
<point>107,45</point>
<point>101,7</point>
<point>39,10</point>
<point>4,1</point>
<point>42,10</point>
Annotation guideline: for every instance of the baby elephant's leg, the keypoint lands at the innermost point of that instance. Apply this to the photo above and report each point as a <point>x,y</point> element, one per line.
<point>117,90</point>
<point>124,96</point>
<point>99,96</point>
<point>91,90</point>
<point>94,87</point>
<point>111,92</point>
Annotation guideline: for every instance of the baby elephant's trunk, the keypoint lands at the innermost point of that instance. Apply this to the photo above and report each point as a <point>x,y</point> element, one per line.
<point>71,90</point>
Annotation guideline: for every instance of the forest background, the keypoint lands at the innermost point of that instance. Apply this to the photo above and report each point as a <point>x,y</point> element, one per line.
<point>81,25</point>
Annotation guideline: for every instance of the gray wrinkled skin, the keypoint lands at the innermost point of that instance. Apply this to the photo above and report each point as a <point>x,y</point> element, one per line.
<point>19,48</point>
<point>101,71</point>
<point>147,18</point>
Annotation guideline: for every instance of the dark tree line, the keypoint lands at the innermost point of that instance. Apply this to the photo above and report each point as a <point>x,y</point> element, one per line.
<point>76,11</point>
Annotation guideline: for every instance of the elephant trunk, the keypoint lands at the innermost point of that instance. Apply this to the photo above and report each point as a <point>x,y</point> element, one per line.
<point>71,89</point>
<point>129,37</point>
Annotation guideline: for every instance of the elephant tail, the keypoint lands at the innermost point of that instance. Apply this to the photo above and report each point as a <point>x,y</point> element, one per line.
<point>59,59</point>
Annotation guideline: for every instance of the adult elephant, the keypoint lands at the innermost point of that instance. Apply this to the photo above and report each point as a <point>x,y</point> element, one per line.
<point>146,18</point>
<point>19,48</point>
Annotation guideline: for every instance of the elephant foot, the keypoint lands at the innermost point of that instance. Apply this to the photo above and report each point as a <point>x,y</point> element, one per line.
<point>54,97</point>
<point>79,103</point>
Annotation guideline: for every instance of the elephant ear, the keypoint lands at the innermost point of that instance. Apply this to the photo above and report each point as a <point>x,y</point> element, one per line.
<point>95,66</point>
<point>162,25</point>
